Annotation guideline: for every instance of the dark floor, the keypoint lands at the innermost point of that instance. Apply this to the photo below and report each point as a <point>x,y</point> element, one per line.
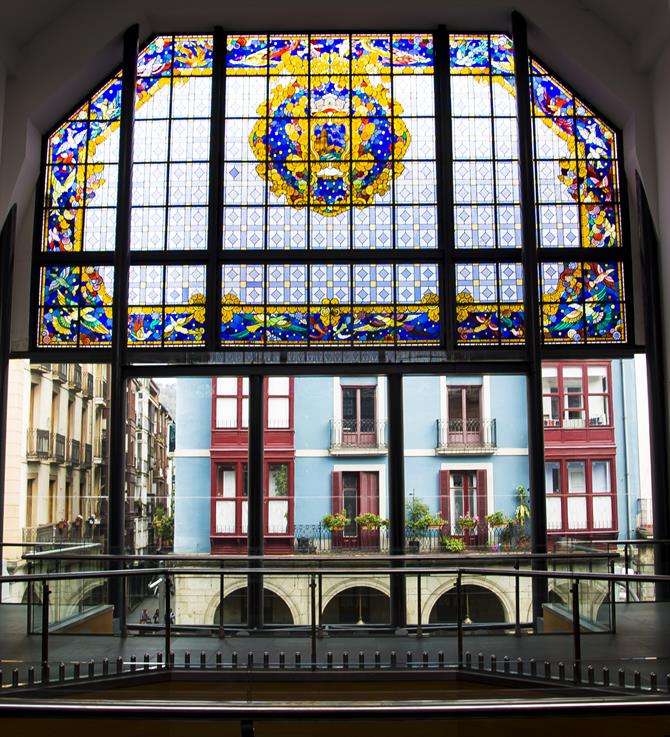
<point>641,643</point>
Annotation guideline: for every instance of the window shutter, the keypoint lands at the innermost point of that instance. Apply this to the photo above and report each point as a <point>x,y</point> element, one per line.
<point>482,528</point>
<point>336,492</point>
<point>445,510</point>
<point>369,492</point>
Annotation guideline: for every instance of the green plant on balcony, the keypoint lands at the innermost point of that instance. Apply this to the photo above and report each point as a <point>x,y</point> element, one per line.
<point>164,526</point>
<point>370,521</point>
<point>467,522</point>
<point>335,522</point>
<point>522,511</point>
<point>452,544</point>
<point>497,520</point>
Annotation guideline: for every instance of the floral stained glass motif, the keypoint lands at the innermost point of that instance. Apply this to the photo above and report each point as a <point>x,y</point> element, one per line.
<point>582,302</point>
<point>75,309</point>
<point>487,213</point>
<point>489,304</point>
<point>171,144</point>
<point>81,176</point>
<point>166,306</point>
<point>333,137</point>
<point>330,305</point>
<point>576,169</point>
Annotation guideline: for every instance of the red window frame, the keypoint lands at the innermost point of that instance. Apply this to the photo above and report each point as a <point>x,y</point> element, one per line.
<point>239,395</point>
<point>240,497</point>
<point>561,396</point>
<point>589,494</point>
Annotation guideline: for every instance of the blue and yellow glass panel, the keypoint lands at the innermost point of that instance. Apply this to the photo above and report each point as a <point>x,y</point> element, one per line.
<point>417,304</point>
<point>166,306</point>
<point>243,305</point>
<point>330,305</point>
<point>330,315</point>
<point>75,309</point>
<point>287,313</point>
<point>329,142</point>
<point>171,144</point>
<point>576,169</point>
<point>486,192</point>
<point>582,302</point>
<point>374,314</point>
<point>489,304</point>
<point>81,176</point>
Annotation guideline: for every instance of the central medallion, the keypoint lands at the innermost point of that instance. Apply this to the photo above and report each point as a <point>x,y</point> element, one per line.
<point>329,137</point>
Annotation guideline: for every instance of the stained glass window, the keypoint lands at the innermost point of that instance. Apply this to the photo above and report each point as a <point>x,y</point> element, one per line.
<point>485,142</point>
<point>171,144</point>
<point>166,306</point>
<point>330,304</point>
<point>489,303</point>
<point>582,302</point>
<point>578,207</point>
<point>330,142</point>
<point>81,176</point>
<point>75,306</point>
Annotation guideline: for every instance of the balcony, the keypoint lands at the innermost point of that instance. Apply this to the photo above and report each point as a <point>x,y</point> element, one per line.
<point>100,450</point>
<point>75,376</point>
<point>88,385</point>
<point>43,368</point>
<point>58,450</point>
<point>357,437</point>
<point>59,371</point>
<point>466,437</point>
<point>101,391</point>
<point>88,456</point>
<point>75,452</point>
<point>39,444</point>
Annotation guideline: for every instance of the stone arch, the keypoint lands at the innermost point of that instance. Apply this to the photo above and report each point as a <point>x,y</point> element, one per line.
<point>358,603</point>
<point>471,585</point>
<point>211,611</point>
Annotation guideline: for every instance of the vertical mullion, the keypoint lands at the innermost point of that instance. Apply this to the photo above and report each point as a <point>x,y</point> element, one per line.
<point>117,460</point>
<point>38,230</point>
<point>531,307</point>
<point>445,187</point>
<point>215,207</point>
<point>168,170</point>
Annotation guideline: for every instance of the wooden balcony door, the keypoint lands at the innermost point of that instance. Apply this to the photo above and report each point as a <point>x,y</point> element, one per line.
<point>355,493</point>
<point>359,416</point>
<point>464,415</point>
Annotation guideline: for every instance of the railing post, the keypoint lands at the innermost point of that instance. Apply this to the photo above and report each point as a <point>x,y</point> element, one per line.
<point>626,562</point>
<point>45,622</point>
<point>312,604</point>
<point>419,630</point>
<point>459,617</point>
<point>576,633</point>
<point>612,600</point>
<point>222,632</point>
<point>517,599</point>
<point>168,619</point>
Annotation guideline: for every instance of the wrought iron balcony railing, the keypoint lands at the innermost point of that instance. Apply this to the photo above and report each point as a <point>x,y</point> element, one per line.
<point>75,452</point>
<point>358,436</point>
<point>59,448</point>
<point>39,444</point>
<point>88,456</point>
<point>466,436</point>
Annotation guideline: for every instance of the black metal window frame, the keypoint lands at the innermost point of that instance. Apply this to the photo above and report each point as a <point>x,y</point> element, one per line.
<point>446,255</point>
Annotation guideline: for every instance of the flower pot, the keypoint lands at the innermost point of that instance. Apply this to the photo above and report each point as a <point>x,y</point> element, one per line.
<point>413,546</point>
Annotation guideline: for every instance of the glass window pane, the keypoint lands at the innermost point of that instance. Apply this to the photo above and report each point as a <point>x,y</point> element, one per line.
<point>228,482</point>
<point>245,412</point>
<point>278,479</point>
<point>577,513</point>
<point>225,517</point>
<point>598,410</point>
<point>597,378</point>
<point>600,477</point>
<point>226,385</point>
<point>602,512</point>
<point>226,412</point>
<point>552,471</point>
<point>278,385</point>
<point>554,514</point>
<point>576,477</point>
<point>277,517</point>
<point>278,412</point>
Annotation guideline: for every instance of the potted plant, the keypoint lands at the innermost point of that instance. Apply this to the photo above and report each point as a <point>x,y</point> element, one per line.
<point>419,519</point>
<point>335,522</point>
<point>370,521</point>
<point>467,522</point>
<point>435,522</point>
<point>452,544</point>
<point>522,511</point>
<point>496,520</point>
